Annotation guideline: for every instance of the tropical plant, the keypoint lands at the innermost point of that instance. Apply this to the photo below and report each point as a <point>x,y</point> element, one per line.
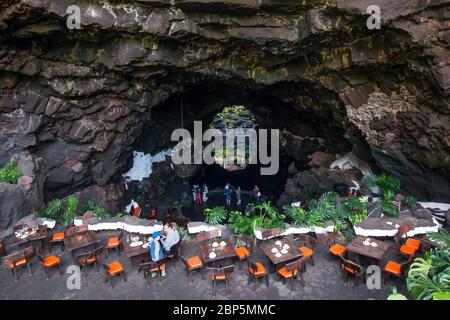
<point>442,238</point>
<point>325,208</point>
<point>388,185</point>
<point>215,215</point>
<point>97,211</point>
<point>9,173</point>
<point>268,217</point>
<point>53,210</point>
<point>301,217</point>
<point>411,202</point>
<point>240,223</point>
<point>178,205</point>
<point>429,276</point>
<point>70,210</point>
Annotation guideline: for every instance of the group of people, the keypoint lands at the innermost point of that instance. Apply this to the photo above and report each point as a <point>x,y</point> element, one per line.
<point>229,190</point>
<point>200,194</point>
<point>162,242</point>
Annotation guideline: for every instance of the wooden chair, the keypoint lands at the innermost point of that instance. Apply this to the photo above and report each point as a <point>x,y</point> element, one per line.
<point>91,257</point>
<point>150,267</point>
<point>256,271</point>
<point>353,269</point>
<point>290,271</point>
<point>174,252</point>
<point>49,262</point>
<point>75,230</point>
<point>220,274</point>
<point>192,264</point>
<point>114,244</point>
<point>308,247</point>
<point>408,247</point>
<point>396,269</point>
<point>114,269</point>
<point>57,238</point>
<point>19,259</point>
<point>335,249</point>
<point>245,250</point>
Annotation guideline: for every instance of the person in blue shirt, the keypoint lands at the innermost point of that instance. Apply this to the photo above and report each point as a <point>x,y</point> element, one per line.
<point>227,191</point>
<point>156,250</point>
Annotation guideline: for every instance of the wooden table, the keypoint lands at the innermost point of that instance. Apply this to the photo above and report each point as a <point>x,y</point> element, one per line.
<point>292,254</point>
<point>357,246</point>
<point>136,254</point>
<point>222,253</point>
<point>80,241</point>
<point>12,242</point>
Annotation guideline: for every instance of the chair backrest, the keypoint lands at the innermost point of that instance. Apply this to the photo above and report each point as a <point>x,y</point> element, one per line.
<point>221,271</point>
<point>24,253</point>
<point>351,267</point>
<point>77,229</point>
<point>252,265</point>
<point>136,212</point>
<point>311,241</point>
<point>247,241</point>
<point>404,229</point>
<point>291,266</point>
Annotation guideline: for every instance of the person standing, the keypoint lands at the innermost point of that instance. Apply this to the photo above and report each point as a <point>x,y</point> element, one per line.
<point>198,195</point>
<point>238,197</point>
<point>205,193</point>
<point>257,194</point>
<point>227,193</point>
<point>194,193</point>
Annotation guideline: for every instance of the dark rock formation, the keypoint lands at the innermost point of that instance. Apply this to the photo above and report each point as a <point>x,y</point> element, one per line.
<point>81,99</point>
<point>21,199</point>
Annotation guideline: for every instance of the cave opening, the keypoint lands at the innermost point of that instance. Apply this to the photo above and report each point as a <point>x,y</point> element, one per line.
<point>303,132</point>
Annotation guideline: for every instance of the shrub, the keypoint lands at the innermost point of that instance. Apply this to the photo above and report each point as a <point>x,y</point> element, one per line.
<point>215,215</point>
<point>411,202</point>
<point>240,223</point>
<point>70,210</point>
<point>9,173</point>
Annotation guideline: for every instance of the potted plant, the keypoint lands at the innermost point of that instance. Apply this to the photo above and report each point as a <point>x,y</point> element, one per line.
<point>215,215</point>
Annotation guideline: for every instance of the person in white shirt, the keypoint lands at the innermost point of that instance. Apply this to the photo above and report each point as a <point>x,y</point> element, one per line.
<point>172,236</point>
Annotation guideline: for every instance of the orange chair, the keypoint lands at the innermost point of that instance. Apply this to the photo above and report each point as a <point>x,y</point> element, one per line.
<point>192,264</point>
<point>338,250</point>
<point>244,251</point>
<point>49,262</point>
<point>114,269</point>
<point>150,267</point>
<point>410,247</point>
<point>114,244</point>
<point>220,274</point>
<point>305,250</point>
<point>19,259</point>
<point>256,271</point>
<point>290,271</point>
<point>397,269</point>
<point>57,238</point>
<point>89,258</point>
<point>353,269</point>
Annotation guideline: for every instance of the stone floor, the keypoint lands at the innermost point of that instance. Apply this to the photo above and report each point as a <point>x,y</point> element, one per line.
<point>323,281</point>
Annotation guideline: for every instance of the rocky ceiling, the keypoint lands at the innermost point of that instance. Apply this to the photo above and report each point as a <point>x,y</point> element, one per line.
<point>81,99</point>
